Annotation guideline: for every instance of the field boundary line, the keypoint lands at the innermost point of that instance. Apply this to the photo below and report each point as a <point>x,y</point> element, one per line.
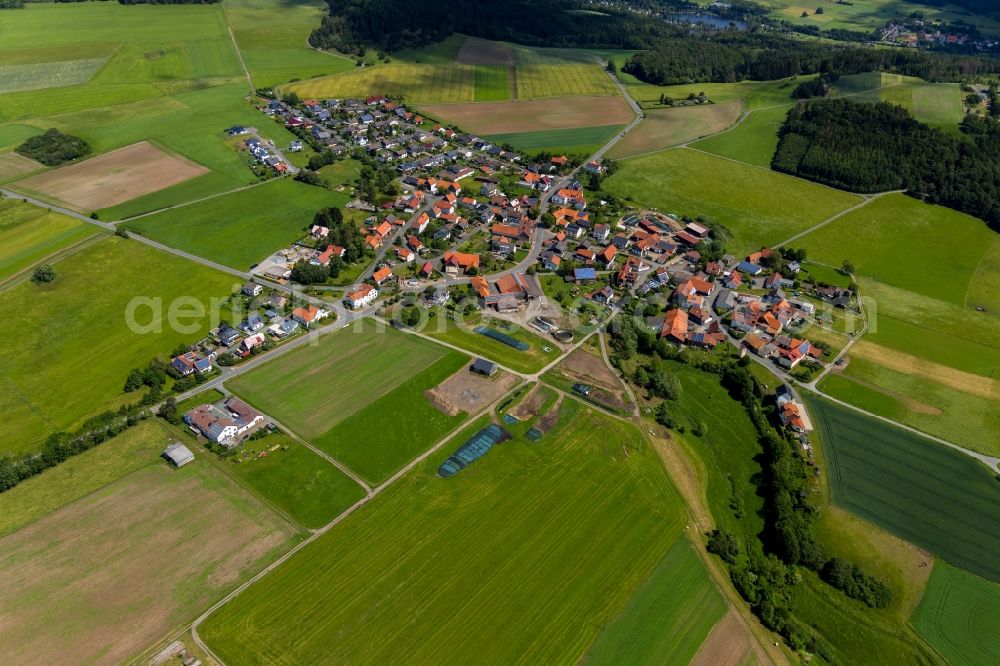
<point>239,53</point>
<point>836,216</point>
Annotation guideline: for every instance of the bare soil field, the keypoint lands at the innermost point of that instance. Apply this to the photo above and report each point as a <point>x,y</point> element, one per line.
<point>663,128</point>
<point>533,115</point>
<point>476,51</point>
<point>551,417</point>
<point>110,179</point>
<point>586,368</point>
<point>13,165</point>
<point>531,404</point>
<point>104,577</point>
<point>727,645</point>
<point>468,392</point>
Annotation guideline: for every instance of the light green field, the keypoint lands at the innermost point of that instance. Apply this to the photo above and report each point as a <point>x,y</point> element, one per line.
<point>394,428</point>
<point>538,80</point>
<point>415,82</point>
<point>667,619</point>
<point>83,474</point>
<point>959,615</point>
<point>28,234</point>
<point>304,485</point>
<point>754,94</point>
<point>532,359</point>
<point>67,352</point>
<point>241,228</point>
<point>925,493</point>
<point>492,83</point>
<point>317,386</point>
<point>663,128</point>
<point>341,172</point>
<point>759,207</point>
<point>12,135</point>
<point>753,141</point>
<point>576,141</point>
<point>524,555</point>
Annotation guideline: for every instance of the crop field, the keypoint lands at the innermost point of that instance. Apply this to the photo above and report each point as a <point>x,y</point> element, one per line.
<point>418,83</point>
<point>753,141</point>
<point>462,335</point>
<point>67,352</point>
<point>396,427</point>
<point>566,530</point>
<point>959,615</point>
<point>535,81</point>
<point>759,207</point>
<point>241,228</point>
<point>301,483</point>
<point>317,386</point>
<point>110,179</point>
<point>14,166</point>
<point>667,619</point>
<point>35,76</point>
<point>81,475</point>
<point>28,234</point>
<point>13,135</point>
<point>272,38</point>
<point>575,141</point>
<point>147,552</point>
<point>670,127</point>
<point>534,115</point>
<point>492,83</point>
<point>937,498</point>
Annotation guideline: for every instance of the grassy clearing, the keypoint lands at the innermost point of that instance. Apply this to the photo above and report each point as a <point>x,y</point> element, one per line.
<point>67,353</point>
<point>28,234</point>
<point>462,335</point>
<point>83,474</point>
<point>577,141</point>
<point>492,83</point>
<point>669,127</point>
<point>759,207</point>
<point>668,618</point>
<point>959,615</point>
<point>317,386</point>
<point>199,531</point>
<point>417,83</point>
<point>567,528</point>
<point>241,228</point>
<point>311,490</point>
<point>396,427</point>
<point>935,497</point>
<point>753,141</point>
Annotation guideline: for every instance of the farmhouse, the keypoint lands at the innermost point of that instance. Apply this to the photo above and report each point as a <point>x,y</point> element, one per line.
<point>224,426</point>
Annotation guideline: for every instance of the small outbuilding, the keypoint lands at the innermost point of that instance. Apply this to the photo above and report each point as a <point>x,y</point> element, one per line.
<point>483,367</point>
<point>178,454</point>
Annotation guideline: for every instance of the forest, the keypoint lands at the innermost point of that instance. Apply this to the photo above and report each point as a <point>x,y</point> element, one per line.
<point>880,147</point>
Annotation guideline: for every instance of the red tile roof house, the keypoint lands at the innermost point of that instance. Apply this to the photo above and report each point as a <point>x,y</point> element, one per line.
<point>307,315</point>
<point>381,275</point>
<point>573,198</point>
<point>405,254</point>
<point>460,261</point>
<point>675,326</point>
<point>362,297</point>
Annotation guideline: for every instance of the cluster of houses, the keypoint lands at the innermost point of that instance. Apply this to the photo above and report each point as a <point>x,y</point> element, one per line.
<point>227,423</point>
<point>260,151</point>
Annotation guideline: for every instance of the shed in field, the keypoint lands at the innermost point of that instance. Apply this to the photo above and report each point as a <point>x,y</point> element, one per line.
<point>178,454</point>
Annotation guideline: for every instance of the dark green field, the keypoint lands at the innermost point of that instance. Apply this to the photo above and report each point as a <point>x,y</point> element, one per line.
<point>959,615</point>
<point>935,497</point>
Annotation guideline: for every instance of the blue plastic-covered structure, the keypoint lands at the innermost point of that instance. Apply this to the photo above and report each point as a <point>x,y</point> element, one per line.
<point>474,449</point>
<point>501,337</point>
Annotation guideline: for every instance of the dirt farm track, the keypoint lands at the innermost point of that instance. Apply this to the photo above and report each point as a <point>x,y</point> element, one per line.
<point>111,178</point>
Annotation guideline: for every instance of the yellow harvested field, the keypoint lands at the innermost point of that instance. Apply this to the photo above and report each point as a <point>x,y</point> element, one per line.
<point>417,83</point>
<point>533,115</point>
<point>663,128</point>
<point>542,80</point>
<point>13,165</point>
<point>977,385</point>
<point>111,178</point>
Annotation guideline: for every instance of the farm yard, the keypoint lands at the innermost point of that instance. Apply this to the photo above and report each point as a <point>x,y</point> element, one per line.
<point>932,496</point>
<point>670,127</point>
<point>615,517</point>
<point>88,351</point>
<point>758,207</point>
<point>112,178</point>
<point>29,234</point>
<point>173,541</point>
<point>958,616</point>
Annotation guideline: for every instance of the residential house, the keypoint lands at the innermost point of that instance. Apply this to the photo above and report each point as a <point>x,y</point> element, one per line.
<point>252,289</point>
<point>455,262</point>
<point>362,297</point>
<point>190,362</point>
<point>675,326</point>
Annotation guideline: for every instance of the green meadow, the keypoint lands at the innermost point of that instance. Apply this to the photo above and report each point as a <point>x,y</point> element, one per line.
<point>29,234</point>
<point>463,335</point>
<point>68,350</point>
<point>753,140</point>
<point>241,228</point>
<point>759,207</point>
<point>492,83</point>
<point>575,141</point>
<point>524,555</point>
<point>959,615</point>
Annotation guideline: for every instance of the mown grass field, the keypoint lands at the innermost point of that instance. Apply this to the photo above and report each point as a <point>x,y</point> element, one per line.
<point>68,350</point>
<point>524,555</point>
<point>759,207</point>
<point>396,427</point>
<point>302,484</point>
<point>13,135</point>
<point>959,615</point>
<point>462,335</point>
<point>241,228</point>
<point>83,474</point>
<point>663,128</point>
<point>935,497</point>
<point>574,141</point>
<point>754,94</point>
<point>315,387</point>
<point>28,234</point>
<point>667,619</point>
<point>492,83</point>
<point>753,141</point>
<point>87,568</point>
<point>418,83</point>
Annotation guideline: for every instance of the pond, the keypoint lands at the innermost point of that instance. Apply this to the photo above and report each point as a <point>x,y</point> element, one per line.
<point>705,19</point>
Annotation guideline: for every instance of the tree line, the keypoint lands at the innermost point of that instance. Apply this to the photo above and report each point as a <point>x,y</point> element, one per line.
<point>880,147</point>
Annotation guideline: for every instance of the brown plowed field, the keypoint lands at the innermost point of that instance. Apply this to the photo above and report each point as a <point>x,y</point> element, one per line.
<point>468,392</point>
<point>110,179</point>
<point>727,645</point>
<point>476,51</point>
<point>533,115</point>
